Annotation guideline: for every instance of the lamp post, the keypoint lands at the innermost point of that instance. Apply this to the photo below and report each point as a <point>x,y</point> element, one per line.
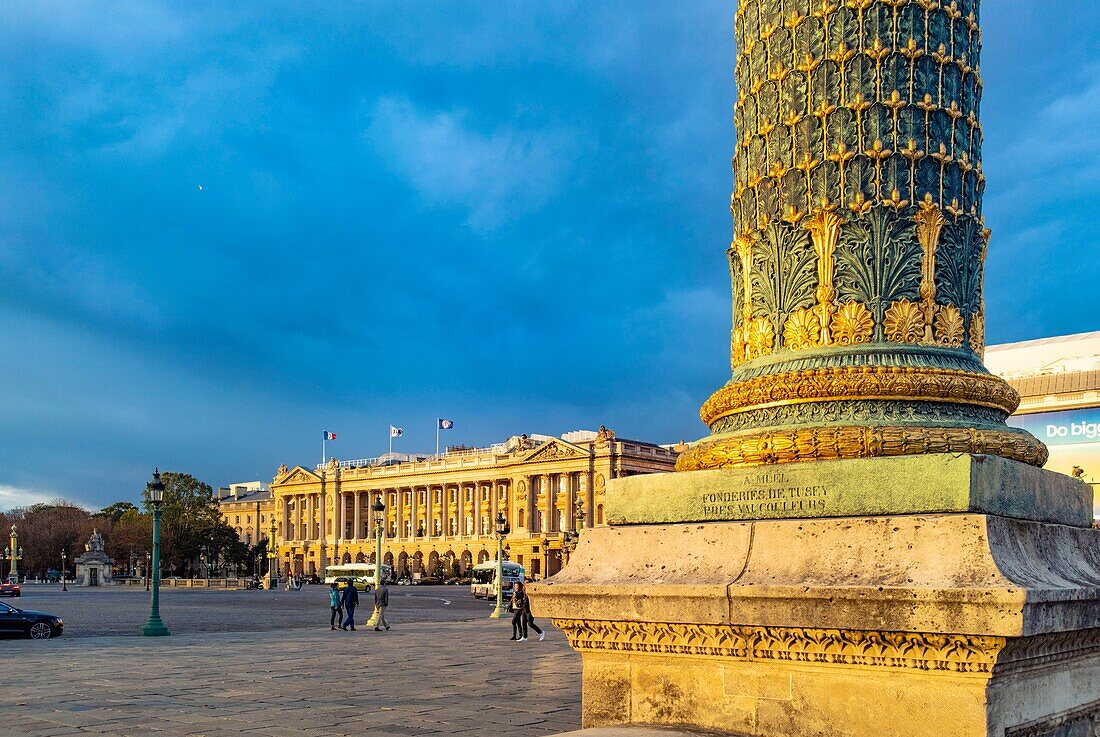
<point>501,523</point>
<point>203,569</point>
<point>64,565</point>
<point>154,627</point>
<point>14,554</point>
<point>572,538</point>
<point>272,552</point>
<point>379,510</point>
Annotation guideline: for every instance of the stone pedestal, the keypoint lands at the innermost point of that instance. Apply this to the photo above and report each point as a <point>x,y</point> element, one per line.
<point>962,623</point>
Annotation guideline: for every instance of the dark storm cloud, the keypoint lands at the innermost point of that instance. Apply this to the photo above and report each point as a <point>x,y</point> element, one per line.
<point>512,214</point>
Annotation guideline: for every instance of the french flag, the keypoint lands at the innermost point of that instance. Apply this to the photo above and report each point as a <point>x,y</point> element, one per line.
<point>329,435</point>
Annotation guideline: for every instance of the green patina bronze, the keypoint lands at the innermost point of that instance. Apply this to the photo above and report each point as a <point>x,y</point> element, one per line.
<point>859,243</point>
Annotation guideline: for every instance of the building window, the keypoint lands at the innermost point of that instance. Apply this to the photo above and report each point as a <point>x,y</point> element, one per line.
<point>238,521</point>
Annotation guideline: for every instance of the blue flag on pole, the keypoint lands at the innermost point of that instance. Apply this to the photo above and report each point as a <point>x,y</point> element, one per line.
<point>446,424</point>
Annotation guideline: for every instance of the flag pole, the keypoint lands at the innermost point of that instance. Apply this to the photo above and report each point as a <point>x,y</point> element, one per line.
<point>324,456</point>
<point>437,437</point>
<point>391,439</point>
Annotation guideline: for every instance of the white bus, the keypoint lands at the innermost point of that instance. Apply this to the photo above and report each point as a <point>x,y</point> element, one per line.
<point>483,575</point>
<point>361,573</point>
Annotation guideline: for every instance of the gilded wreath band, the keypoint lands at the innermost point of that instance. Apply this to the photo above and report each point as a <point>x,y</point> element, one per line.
<point>903,383</point>
<point>835,443</point>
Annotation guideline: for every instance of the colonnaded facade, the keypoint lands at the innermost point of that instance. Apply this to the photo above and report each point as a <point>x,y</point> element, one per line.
<point>440,510</point>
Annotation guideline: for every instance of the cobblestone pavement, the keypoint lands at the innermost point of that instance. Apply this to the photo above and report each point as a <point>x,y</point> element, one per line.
<point>420,678</point>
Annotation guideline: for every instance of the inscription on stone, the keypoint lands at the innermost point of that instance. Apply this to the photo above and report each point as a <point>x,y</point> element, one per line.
<point>767,493</point>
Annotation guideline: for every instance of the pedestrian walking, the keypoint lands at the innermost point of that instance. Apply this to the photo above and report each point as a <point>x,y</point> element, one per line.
<point>336,601</point>
<point>351,600</point>
<point>519,613</point>
<point>381,601</point>
<point>529,619</point>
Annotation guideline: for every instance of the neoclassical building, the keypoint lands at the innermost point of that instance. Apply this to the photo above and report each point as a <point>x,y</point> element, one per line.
<point>440,509</point>
<point>247,509</point>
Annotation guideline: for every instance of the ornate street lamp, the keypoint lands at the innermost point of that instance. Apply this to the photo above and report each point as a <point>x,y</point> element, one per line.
<point>203,568</point>
<point>272,554</point>
<point>147,569</point>
<point>379,510</point>
<point>14,554</point>
<point>154,627</point>
<point>572,538</point>
<point>64,565</point>
<point>501,525</point>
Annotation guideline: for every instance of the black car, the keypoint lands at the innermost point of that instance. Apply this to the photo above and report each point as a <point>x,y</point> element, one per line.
<point>25,623</point>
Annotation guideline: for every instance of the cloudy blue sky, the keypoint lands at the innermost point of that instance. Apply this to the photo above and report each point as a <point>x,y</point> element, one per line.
<point>225,227</point>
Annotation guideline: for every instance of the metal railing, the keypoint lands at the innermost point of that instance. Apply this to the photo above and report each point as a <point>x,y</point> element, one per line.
<point>402,458</point>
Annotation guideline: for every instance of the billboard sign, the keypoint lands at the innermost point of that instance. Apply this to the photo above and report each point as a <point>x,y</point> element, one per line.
<point>1073,437</point>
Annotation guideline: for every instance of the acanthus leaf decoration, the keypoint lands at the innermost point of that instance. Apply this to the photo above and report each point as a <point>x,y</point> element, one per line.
<point>878,263</point>
<point>783,275</point>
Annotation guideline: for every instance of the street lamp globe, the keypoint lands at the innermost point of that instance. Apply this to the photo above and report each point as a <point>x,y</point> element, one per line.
<point>156,489</point>
<point>378,508</point>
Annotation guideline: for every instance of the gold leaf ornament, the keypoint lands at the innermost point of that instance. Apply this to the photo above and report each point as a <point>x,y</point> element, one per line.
<point>738,345</point>
<point>904,322</point>
<point>761,337</point>
<point>950,328</point>
<point>977,333</point>
<point>852,324</point>
<point>803,329</point>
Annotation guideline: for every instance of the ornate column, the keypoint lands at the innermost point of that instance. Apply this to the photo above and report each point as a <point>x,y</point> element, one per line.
<point>859,240</point>
<point>861,526</point>
<point>338,512</point>
<point>479,489</point>
<point>299,502</point>
<point>356,516</point>
<point>400,512</point>
<point>286,518</point>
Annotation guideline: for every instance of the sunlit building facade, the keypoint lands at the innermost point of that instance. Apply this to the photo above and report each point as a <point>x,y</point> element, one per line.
<point>440,510</point>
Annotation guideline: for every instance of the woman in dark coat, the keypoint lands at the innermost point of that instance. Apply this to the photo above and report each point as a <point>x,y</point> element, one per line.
<point>519,618</point>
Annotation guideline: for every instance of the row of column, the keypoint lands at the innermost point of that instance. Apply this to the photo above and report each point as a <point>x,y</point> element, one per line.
<point>442,511</point>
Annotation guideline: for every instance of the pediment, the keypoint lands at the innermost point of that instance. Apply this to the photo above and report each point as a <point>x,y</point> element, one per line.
<point>555,449</point>
<point>299,475</point>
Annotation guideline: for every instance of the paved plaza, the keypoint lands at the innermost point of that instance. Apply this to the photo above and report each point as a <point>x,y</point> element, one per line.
<point>443,669</point>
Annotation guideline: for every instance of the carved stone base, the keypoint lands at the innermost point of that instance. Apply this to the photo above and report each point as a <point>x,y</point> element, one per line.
<point>949,625</point>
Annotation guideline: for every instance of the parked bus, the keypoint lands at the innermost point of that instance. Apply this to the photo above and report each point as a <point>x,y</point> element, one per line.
<point>362,574</point>
<point>483,575</point>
